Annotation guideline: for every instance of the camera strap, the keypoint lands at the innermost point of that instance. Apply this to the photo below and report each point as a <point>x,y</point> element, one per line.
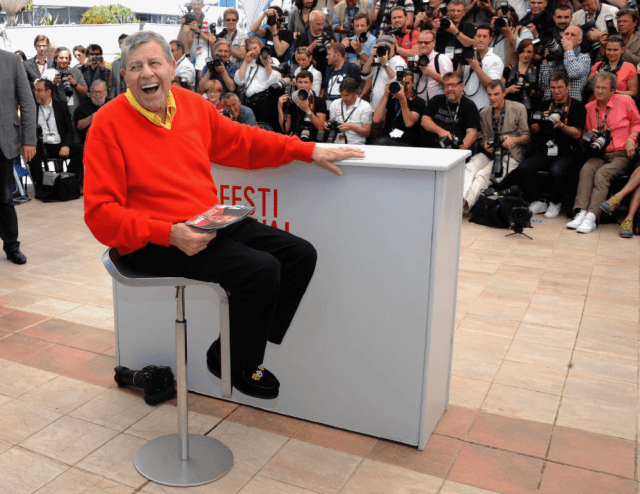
<point>498,122</point>
<point>454,116</point>
<point>565,108</point>
<point>252,76</point>
<point>604,123</point>
<point>355,107</point>
<point>595,17</point>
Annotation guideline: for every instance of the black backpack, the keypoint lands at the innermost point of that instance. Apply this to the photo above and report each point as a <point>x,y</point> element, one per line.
<point>65,188</point>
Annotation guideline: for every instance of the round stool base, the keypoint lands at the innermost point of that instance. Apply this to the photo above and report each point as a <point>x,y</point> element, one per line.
<point>159,461</point>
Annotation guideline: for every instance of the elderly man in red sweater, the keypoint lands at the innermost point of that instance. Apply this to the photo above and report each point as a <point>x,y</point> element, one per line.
<point>147,161</point>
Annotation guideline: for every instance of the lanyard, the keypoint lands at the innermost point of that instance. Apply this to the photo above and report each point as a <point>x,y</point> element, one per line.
<point>595,17</point>
<point>355,107</point>
<point>497,120</point>
<point>604,123</point>
<point>454,117</point>
<point>251,77</point>
<point>47,116</point>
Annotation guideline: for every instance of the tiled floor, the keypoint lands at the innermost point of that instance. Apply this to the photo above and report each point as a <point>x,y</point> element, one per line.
<point>544,392</point>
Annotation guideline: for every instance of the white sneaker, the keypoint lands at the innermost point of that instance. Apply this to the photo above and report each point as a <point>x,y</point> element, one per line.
<point>553,210</point>
<point>577,220</point>
<point>537,207</point>
<point>588,224</point>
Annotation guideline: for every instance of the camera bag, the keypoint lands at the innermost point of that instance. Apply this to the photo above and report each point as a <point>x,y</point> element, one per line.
<point>495,211</point>
<point>59,187</point>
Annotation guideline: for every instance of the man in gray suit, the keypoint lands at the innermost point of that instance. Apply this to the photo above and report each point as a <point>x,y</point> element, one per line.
<point>17,135</point>
<point>36,66</point>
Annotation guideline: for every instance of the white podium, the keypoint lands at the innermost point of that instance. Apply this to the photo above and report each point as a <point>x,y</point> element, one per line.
<point>369,349</point>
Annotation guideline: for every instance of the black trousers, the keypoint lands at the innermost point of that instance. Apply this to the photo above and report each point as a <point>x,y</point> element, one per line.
<point>266,272</point>
<point>558,172</point>
<point>8,216</point>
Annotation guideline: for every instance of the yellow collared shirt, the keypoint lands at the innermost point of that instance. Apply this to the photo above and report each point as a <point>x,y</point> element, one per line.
<point>152,117</point>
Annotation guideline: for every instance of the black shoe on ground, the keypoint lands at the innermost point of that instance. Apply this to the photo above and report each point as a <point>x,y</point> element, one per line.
<point>17,257</point>
<point>251,380</point>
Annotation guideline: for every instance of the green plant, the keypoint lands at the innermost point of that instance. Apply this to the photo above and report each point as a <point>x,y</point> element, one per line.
<point>109,14</point>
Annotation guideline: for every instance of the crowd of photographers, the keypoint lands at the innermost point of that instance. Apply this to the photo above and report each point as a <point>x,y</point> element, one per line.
<point>526,85</point>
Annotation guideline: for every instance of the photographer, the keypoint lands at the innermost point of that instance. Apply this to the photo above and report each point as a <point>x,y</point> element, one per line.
<point>380,13</point>
<point>352,115</point>
<point>70,87</point>
<point>303,57</point>
<point>521,79</point>
<point>184,67</point>
<point>237,112</point>
<point>613,124</point>
<point>628,21</point>
<point>430,67</point>
<point>337,71</point>
<point>278,38</point>
<point>220,68</point>
<point>95,67</point>
<point>386,65</point>
<point>479,11</point>
<point>451,32</point>
<point>358,47</point>
<point>451,116</point>
<point>399,114</point>
<point>234,36</point>
<point>562,20</point>
<point>596,12</point>
<point>481,68</point>
<point>538,19</point>
<point>625,71</point>
<point>574,63</point>
<point>504,134</point>
<point>406,38</point>
<point>559,122</point>
<point>291,114</point>
<point>344,14</point>
<point>299,15</point>
<point>507,34</point>
<point>195,34</point>
<point>317,39</point>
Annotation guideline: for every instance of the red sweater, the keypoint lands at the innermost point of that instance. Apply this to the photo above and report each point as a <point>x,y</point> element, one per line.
<point>141,178</point>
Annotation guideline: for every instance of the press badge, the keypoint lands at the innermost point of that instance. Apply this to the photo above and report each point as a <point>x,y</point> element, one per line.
<point>449,51</point>
<point>552,149</point>
<point>396,133</point>
<point>342,138</point>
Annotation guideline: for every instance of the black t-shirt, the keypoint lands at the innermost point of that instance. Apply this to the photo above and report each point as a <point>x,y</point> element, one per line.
<point>319,106</point>
<point>443,114</point>
<point>577,116</point>
<point>394,120</point>
<point>85,109</point>
<point>444,39</point>
<point>285,36</point>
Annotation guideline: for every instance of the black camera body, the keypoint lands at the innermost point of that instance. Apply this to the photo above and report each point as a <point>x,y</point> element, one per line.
<point>272,20</point>
<point>325,40</point>
<point>445,23</point>
<point>502,22</point>
<point>156,381</point>
<point>395,86</point>
<point>597,142</point>
<point>213,63</point>
<point>382,51</point>
<point>361,38</point>
<point>68,90</point>
<point>611,27</point>
<point>527,83</point>
<point>331,134</point>
<point>586,27</point>
<point>547,123</point>
<point>446,143</point>
<point>226,113</point>
<point>462,55</point>
<point>305,128</point>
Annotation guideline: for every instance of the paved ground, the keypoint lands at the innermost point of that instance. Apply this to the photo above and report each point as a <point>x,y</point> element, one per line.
<point>544,393</point>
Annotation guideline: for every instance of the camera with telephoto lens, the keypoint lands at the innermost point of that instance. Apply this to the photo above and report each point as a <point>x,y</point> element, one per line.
<point>527,83</point>
<point>597,142</point>
<point>331,134</point>
<point>518,217</point>
<point>547,41</point>
<point>611,27</point>
<point>190,17</point>
<point>546,123</point>
<point>395,86</point>
<point>462,55</point>
<point>423,61</point>
<point>447,143</point>
<point>68,91</point>
<point>536,20</point>
<point>502,22</point>
<point>360,38</point>
<point>325,39</point>
<point>157,382</point>
<point>300,95</point>
<point>348,28</point>
<point>305,128</point>
<point>445,23</point>
<point>586,27</point>
<point>494,140</point>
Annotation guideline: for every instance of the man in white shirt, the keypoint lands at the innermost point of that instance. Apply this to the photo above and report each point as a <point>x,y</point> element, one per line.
<point>73,93</point>
<point>594,10</point>
<point>196,36</point>
<point>254,77</point>
<point>353,114</point>
<point>184,67</point>
<point>429,77</point>
<point>386,68</point>
<point>483,67</point>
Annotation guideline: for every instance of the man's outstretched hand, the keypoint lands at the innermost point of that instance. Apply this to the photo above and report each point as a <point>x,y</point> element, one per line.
<point>325,157</point>
<point>188,239</point>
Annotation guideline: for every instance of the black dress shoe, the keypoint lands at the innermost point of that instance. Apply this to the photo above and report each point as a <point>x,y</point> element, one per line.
<point>251,380</point>
<point>17,257</point>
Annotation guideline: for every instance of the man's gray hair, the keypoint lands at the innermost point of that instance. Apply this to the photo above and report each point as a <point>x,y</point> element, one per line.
<point>221,42</point>
<point>140,38</point>
<point>229,96</point>
<point>610,76</point>
<point>314,14</point>
<point>97,82</point>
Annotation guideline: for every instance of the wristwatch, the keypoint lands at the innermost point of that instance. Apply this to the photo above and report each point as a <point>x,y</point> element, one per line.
<point>385,65</point>
<point>457,34</point>
<point>74,85</point>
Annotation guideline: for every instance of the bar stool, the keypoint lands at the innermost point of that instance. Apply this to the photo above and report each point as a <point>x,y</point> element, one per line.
<point>182,459</point>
